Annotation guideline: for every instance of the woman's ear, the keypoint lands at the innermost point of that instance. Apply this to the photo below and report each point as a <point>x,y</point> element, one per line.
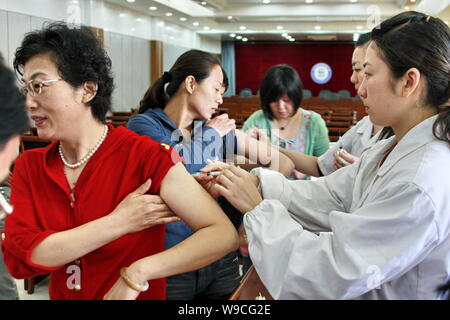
<point>190,84</point>
<point>89,91</point>
<point>410,82</point>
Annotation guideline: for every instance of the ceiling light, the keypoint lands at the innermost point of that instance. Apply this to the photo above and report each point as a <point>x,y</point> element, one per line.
<point>239,37</point>
<point>279,27</point>
<point>284,34</point>
<point>195,24</point>
<point>169,14</point>
<point>358,27</point>
<point>233,35</point>
<point>183,19</point>
<point>406,8</point>
<point>309,1</point>
<point>317,27</point>
<point>353,0</point>
<point>138,19</point>
<point>203,3</point>
<point>230,17</point>
<point>122,15</point>
<point>291,39</point>
<point>131,1</point>
<point>242,27</point>
<point>244,39</point>
<point>266,1</point>
<point>152,8</point>
<point>413,0</point>
<point>206,28</point>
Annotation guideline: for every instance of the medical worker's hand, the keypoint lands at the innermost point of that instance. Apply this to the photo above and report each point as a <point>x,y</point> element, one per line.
<point>239,187</point>
<point>342,158</point>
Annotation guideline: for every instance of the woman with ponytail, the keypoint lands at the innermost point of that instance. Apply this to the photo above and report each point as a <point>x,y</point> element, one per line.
<point>176,110</point>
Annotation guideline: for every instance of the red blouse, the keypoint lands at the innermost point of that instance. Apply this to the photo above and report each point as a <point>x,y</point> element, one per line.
<point>43,205</point>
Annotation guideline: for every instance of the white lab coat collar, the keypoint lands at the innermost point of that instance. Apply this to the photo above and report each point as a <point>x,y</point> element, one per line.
<point>366,123</point>
<point>415,138</point>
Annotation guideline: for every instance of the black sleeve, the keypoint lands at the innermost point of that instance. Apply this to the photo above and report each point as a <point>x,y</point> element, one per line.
<point>318,169</point>
<point>232,213</point>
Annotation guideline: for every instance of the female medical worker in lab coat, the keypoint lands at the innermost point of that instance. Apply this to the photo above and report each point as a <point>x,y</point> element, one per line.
<point>380,228</point>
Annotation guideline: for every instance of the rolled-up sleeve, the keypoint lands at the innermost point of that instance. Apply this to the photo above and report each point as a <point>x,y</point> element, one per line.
<point>22,230</point>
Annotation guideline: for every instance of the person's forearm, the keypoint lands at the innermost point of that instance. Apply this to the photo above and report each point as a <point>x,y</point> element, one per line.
<point>281,163</point>
<point>264,153</point>
<point>190,254</point>
<point>302,162</point>
<point>64,247</point>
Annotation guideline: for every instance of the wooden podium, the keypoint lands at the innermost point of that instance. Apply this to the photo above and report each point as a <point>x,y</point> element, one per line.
<point>251,288</point>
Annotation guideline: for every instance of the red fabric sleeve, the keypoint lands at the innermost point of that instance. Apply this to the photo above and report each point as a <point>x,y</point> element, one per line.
<point>22,230</point>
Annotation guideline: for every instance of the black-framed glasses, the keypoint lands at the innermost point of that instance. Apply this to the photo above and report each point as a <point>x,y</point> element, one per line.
<point>34,87</point>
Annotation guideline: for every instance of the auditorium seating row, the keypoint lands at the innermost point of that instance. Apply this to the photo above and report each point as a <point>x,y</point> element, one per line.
<point>339,114</point>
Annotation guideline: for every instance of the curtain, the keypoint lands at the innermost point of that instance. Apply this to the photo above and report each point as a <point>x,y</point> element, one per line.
<point>229,65</point>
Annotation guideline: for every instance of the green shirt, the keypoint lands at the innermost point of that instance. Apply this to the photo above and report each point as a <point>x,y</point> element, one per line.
<point>316,141</point>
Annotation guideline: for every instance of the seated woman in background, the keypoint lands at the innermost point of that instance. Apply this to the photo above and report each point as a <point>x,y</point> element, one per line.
<point>178,115</point>
<point>380,228</point>
<point>285,123</point>
<point>89,208</point>
<point>351,145</point>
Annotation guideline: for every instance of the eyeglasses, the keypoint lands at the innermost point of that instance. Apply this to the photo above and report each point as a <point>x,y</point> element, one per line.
<point>34,87</point>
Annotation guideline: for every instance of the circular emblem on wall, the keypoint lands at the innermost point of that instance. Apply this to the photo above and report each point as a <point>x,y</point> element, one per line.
<point>321,73</point>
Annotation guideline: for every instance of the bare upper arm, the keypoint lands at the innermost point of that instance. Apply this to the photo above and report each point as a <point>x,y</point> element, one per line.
<point>188,200</point>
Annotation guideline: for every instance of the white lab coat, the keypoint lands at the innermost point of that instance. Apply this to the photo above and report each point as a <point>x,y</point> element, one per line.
<point>355,141</point>
<point>374,232</point>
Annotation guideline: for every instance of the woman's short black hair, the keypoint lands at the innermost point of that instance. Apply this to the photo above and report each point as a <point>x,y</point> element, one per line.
<point>279,80</point>
<point>79,57</point>
<point>13,115</point>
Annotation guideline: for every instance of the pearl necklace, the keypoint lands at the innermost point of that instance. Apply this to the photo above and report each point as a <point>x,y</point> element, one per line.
<point>88,156</point>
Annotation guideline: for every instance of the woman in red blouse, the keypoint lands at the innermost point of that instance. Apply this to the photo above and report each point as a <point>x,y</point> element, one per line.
<point>89,208</point>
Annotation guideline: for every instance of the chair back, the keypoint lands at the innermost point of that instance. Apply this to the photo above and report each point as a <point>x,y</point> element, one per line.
<point>245,93</point>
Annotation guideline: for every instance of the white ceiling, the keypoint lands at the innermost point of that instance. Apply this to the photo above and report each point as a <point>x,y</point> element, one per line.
<point>319,20</point>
